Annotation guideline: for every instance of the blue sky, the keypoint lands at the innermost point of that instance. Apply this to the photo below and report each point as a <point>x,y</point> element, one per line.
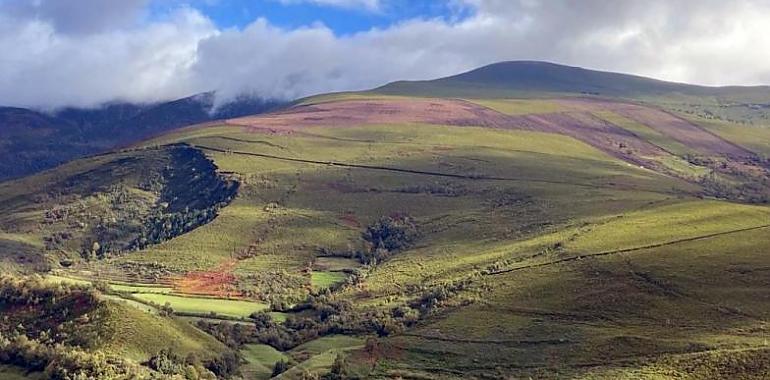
<point>87,52</point>
<point>344,17</point>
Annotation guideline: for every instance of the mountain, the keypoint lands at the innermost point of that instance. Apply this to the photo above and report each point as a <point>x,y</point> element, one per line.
<point>35,141</point>
<point>541,235</point>
<point>506,79</point>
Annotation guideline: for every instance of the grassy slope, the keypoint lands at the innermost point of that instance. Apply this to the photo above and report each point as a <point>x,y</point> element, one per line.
<point>523,156</point>
<point>545,303</point>
<point>139,335</point>
<point>614,311</point>
<point>754,137</point>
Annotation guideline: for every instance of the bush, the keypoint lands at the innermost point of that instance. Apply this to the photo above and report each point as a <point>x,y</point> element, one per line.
<point>387,235</point>
<point>280,367</point>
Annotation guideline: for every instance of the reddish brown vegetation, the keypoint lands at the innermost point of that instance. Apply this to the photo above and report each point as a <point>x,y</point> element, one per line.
<point>349,219</point>
<point>578,120</point>
<point>218,282</point>
<point>361,112</point>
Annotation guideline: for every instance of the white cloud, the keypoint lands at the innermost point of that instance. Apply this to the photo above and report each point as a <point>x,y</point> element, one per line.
<point>372,5</point>
<point>45,68</point>
<point>701,41</point>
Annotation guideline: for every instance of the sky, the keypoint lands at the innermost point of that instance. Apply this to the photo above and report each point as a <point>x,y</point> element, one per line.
<point>56,53</point>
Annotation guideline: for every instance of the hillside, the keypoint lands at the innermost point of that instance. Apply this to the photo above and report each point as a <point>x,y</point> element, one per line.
<point>61,330</point>
<point>33,141</point>
<point>426,237</point>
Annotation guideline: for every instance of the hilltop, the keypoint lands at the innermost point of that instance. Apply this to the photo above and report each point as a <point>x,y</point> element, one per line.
<point>739,104</point>
<point>512,77</point>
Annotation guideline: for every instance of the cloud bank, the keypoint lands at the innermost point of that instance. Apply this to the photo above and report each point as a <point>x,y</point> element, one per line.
<point>88,52</point>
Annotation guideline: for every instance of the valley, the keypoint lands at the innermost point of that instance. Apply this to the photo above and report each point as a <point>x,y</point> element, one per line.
<point>392,234</point>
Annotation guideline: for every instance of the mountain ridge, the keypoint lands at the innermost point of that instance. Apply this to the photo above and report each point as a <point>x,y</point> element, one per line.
<point>36,140</point>
<point>553,77</point>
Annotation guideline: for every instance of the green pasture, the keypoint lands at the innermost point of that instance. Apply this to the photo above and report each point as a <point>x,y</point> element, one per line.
<point>203,306</point>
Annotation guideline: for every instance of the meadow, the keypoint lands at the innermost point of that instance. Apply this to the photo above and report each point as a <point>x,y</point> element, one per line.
<point>203,306</point>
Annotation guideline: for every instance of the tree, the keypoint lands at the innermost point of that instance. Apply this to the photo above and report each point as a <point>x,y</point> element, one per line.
<point>339,370</point>
<point>280,367</point>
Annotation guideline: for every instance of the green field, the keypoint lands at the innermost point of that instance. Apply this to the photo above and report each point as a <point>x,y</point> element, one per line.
<point>326,279</point>
<point>260,359</point>
<point>203,306</point>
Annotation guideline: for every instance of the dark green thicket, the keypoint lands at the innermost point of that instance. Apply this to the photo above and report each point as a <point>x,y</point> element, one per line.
<point>192,193</point>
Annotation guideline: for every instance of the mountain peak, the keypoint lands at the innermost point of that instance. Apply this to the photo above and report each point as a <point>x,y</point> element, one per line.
<point>511,78</point>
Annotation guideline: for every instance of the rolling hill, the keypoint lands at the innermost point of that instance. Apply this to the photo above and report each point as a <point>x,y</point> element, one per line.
<point>546,232</point>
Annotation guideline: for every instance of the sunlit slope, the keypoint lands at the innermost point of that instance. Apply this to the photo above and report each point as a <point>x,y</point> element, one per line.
<point>434,172</point>
<point>565,236</point>
<point>572,253</point>
<point>694,307</point>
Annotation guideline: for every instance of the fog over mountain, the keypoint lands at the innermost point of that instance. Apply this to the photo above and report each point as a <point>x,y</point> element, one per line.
<point>56,53</point>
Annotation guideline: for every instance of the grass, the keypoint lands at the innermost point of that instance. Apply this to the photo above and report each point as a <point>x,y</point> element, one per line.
<point>318,355</point>
<point>139,288</point>
<point>196,305</point>
<point>336,264</point>
<point>343,96</point>
<point>754,137</point>
<point>326,343</point>
<point>521,106</point>
<point>8,372</point>
<point>260,359</point>
<point>623,307</point>
<point>138,335</point>
<point>132,303</point>
<point>598,265</point>
<point>321,280</point>
<point>645,132</point>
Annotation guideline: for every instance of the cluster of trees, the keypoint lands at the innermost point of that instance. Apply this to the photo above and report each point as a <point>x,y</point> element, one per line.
<point>161,226</point>
<point>750,190</point>
<point>385,236</point>
<point>320,316</point>
<point>34,290</point>
<point>170,364</point>
<point>61,362</point>
<point>438,296</point>
<point>191,194</point>
<point>381,239</point>
<point>338,371</point>
<point>744,179</point>
<point>53,313</point>
<point>42,339</point>
<point>279,288</point>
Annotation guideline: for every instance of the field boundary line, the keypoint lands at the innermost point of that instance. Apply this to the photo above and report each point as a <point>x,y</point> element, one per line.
<point>423,172</point>
<point>633,249</point>
<point>490,341</point>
